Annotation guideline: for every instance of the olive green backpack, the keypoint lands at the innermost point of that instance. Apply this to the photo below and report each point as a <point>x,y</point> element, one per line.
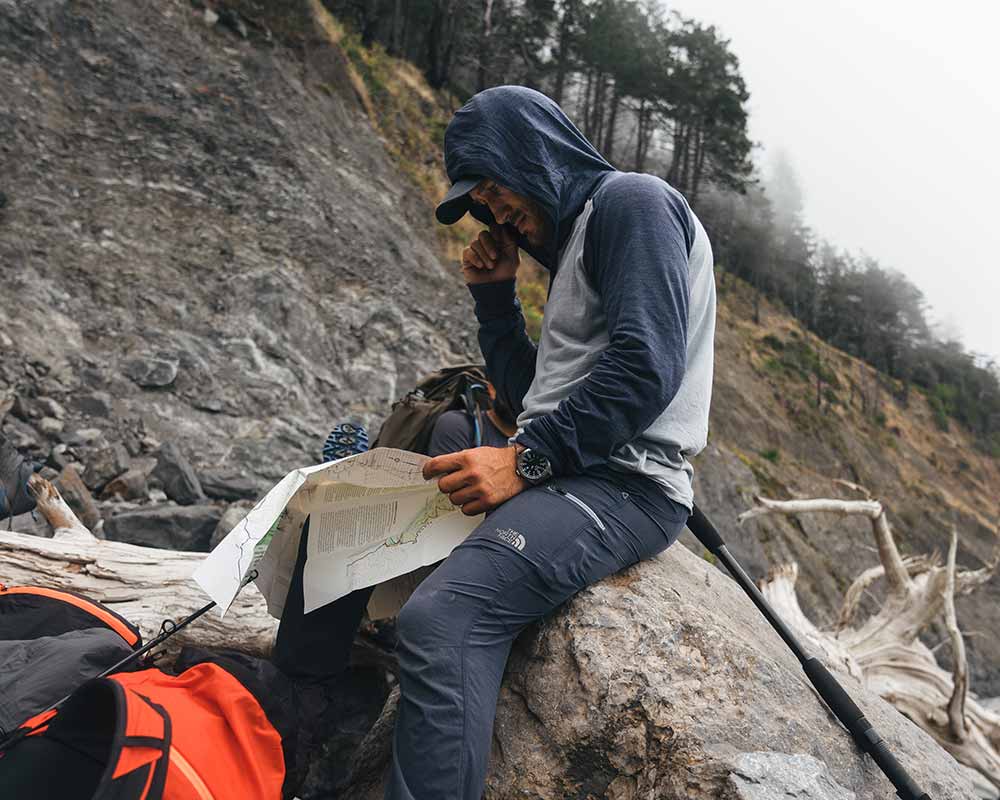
<point>412,419</point>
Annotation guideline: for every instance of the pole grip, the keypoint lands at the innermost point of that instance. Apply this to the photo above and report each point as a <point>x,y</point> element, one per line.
<point>861,729</point>
<point>705,531</point>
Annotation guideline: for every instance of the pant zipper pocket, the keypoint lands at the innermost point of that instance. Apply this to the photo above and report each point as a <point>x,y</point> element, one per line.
<point>579,503</point>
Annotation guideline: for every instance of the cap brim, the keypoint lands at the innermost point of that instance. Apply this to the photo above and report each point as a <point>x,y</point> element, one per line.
<point>457,202</point>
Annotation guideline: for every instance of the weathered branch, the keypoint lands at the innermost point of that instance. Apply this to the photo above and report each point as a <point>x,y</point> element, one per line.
<point>57,513</point>
<point>885,649</point>
<point>915,565</point>
<point>960,670</point>
<point>895,570</point>
<point>144,584</point>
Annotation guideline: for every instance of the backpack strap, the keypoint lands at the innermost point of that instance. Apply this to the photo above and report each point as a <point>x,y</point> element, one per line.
<point>474,409</point>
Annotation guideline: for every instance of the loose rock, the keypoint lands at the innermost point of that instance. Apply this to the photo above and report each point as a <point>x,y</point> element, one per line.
<point>50,426</point>
<point>50,407</point>
<point>176,476</point>
<point>151,373</point>
<point>77,496</point>
<point>96,405</point>
<point>172,527</point>
<point>130,485</point>
<point>230,519</point>
<point>84,436</point>
<point>103,464</point>
<point>230,486</point>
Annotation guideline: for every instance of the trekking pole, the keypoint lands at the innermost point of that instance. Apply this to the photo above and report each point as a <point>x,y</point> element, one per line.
<point>829,688</point>
<point>167,629</point>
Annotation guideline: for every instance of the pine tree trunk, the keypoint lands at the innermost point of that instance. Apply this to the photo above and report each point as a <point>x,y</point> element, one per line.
<point>435,35</point>
<point>699,160</point>
<point>675,174</point>
<point>586,102</point>
<point>449,50</point>
<point>484,46</point>
<point>640,122</point>
<point>597,108</point>
<point>562,64</point>
<point>609,134</point>
<point>394,34</point>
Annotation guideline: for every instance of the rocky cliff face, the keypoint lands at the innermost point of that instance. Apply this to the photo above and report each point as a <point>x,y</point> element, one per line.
<point>202,241</point>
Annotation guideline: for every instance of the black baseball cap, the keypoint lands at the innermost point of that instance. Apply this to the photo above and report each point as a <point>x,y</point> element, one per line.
<point>457,202</point>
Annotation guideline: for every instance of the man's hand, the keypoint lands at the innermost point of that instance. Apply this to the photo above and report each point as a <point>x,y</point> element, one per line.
<point>479,479</point>
<point>491,257</point>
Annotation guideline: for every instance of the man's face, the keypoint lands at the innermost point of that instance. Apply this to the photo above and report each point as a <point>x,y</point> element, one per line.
<point>514,209</point>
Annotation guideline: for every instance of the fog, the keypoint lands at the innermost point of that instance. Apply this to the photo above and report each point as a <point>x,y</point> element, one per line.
<point>889,112</point>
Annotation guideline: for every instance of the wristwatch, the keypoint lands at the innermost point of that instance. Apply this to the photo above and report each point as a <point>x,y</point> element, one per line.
<point>533,467</point>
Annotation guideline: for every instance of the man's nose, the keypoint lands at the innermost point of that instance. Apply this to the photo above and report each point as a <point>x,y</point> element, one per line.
<point>501,213</point>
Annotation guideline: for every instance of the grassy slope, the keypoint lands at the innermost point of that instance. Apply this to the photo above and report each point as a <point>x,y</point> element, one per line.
<point>767,412</point>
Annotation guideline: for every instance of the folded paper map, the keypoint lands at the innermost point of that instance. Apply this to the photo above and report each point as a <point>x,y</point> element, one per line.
<point>372,518</point>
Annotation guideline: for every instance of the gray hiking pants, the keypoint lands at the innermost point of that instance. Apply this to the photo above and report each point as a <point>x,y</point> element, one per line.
<point>455,633</point>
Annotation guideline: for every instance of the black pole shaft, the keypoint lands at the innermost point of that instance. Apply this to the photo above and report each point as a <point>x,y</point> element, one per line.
<point>829,688</point>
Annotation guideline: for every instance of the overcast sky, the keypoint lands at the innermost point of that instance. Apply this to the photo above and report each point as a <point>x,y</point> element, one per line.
<point>890,114</point>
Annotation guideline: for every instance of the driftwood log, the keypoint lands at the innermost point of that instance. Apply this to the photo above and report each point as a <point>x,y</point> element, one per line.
<point>884,651</point>
<point>144,584</point>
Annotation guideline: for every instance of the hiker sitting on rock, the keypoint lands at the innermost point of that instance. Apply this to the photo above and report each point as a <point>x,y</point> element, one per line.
<point>611,405</point>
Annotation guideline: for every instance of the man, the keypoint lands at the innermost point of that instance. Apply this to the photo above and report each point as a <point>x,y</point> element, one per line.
<point>611,404</point>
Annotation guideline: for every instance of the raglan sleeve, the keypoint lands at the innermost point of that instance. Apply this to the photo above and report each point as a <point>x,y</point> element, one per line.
<point>638,240</point>
<point>503,339</point>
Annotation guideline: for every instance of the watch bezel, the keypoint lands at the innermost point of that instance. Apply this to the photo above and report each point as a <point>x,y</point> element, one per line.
<point>534,467</point>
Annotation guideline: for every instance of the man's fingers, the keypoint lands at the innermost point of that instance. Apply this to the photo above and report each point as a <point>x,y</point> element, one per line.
<point>471,259</point>
<point>475,507</point>
<point>463,496</point>
<point>442,465</point>
<point>488,261</point>
<point>454,481</point>
<point>489,243</point>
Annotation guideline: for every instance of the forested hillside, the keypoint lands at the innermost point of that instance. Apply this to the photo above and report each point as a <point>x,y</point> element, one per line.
<point>660,93</point>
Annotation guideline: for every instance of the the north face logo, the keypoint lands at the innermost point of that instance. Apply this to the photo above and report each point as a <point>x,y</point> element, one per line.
<point>513,538</point>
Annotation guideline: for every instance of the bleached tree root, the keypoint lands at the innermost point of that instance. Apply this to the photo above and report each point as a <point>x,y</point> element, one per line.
<point>884,650</point>
<point>144,584</point>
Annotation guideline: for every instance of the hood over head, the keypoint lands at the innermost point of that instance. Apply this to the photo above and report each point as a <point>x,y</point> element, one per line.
<point>522,140</point>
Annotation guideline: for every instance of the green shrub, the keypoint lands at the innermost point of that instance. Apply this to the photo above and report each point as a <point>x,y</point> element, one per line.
<point>771,455</point>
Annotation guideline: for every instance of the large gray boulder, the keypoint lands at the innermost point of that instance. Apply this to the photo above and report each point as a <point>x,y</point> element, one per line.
<point>665,682</point>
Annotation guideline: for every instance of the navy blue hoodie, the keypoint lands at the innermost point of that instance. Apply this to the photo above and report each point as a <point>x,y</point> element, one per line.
<point>614,348</point>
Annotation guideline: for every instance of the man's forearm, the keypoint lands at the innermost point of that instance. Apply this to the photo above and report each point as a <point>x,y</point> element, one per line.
<point>507,349</point>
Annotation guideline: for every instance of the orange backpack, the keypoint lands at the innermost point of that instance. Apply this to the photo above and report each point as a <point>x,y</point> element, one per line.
<point>200,735</point>
<point>225,726</point>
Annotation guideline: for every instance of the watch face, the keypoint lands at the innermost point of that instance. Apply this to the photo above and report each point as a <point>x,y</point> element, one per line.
<point>534,466</point>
